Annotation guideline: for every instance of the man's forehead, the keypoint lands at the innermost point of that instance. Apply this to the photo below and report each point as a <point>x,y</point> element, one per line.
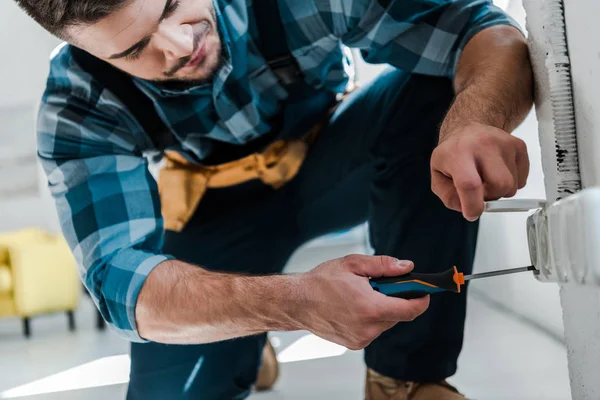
<point>121,29</point>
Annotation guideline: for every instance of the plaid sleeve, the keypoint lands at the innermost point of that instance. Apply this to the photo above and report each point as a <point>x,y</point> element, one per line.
<point>106,198</point>
<point>420,36</point>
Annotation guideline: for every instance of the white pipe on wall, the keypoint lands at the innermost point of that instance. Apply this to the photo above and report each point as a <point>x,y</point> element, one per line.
<point>581,305</point>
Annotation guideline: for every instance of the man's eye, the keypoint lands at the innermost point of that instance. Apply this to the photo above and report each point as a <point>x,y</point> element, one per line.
<point>172,8</point>
<point>135,55</point>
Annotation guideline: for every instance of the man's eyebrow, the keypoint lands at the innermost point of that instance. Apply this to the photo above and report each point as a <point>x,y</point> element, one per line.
<point>144,42</point>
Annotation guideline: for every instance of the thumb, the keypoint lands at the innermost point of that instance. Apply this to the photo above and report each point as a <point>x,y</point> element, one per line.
<point>380,266</point>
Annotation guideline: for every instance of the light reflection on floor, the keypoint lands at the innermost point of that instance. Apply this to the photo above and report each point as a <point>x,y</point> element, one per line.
<point>104,371</point>
<point>114,370</point>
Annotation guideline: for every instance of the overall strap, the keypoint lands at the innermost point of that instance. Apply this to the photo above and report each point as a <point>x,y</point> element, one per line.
<point>273,43</point>
<point>122,86</point>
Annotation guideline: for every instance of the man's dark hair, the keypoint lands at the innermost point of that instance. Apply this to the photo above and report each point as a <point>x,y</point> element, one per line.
<point>57,15</point>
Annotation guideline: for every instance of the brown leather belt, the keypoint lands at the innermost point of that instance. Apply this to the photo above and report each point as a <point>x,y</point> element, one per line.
<point>182,184</point>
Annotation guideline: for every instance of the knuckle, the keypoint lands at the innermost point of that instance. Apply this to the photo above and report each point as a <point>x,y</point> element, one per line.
<point>439,191</point>
<point>353,346</point>
<point>374,333</point>
<point>520,145</point>
<point>369,312</point>
<point>454,204</point>
<point>363,342</point>
<point>486,140</point>
<point>366,334</point>
<point>523,146</point>
<point>358,343</point>
<point>374,314</point>
<point>412,314</point>
<point>350,260</point>
<point>506,183</point>
<point>466,147</point>
<point>467,184</point>
<point>451,203</point>
<point>386,261</point>
<point>362,345</point>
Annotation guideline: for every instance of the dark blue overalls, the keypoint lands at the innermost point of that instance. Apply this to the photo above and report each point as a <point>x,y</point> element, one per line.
<point>370,163</point>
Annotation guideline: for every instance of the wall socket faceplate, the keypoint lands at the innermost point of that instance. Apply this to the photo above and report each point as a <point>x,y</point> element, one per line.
<point>564,239</point>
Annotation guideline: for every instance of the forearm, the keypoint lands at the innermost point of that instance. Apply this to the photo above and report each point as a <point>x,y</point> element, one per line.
<point>183,304</point>
<point>493,82</point>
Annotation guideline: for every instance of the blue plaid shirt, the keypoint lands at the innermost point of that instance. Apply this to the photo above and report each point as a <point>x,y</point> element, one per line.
<point>94,152</point>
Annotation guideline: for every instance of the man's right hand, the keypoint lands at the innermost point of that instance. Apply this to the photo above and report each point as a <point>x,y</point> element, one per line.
<point>342,307</point>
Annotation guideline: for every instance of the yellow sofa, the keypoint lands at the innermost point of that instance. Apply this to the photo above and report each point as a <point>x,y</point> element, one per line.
<point>38,275</point>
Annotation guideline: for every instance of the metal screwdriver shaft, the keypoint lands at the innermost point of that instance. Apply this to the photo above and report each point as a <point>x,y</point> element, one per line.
<point>498,273</point>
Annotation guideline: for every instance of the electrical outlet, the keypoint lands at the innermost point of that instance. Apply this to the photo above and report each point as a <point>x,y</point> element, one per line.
<point>537,236</point>
<point>564,239</point>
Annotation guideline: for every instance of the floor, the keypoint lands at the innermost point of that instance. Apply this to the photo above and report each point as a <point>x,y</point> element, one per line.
<point>504,357</point>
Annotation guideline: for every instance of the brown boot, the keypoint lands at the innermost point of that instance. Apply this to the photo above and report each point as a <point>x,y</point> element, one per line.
<point>433,391</point>
<point>379,387</point>
<point>269,369</point>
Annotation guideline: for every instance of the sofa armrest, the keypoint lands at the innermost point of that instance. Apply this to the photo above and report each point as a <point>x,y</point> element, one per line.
<point>45,277</point>
<point>6,281</point>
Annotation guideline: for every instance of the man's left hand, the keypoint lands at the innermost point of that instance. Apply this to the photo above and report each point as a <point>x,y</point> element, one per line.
<point>476,163</point>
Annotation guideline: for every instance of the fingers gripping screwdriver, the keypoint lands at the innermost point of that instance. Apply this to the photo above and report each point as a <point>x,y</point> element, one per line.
<point>414,285</point>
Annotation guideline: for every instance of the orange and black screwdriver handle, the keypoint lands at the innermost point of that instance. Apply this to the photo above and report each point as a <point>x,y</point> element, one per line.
<point>415,285</point>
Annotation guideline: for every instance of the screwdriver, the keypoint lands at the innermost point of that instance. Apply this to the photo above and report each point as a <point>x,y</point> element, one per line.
<point>414,285</point>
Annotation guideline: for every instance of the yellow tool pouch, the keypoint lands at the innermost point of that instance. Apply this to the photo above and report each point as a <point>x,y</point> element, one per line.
<point>182,184</point>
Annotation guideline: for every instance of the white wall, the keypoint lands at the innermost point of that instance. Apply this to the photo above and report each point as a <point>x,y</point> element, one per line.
<point>581,305</point>
<point>26,49</point>
<point>23,72</point>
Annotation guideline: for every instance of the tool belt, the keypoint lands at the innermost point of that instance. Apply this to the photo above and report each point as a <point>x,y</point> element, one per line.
<point>182,184</point>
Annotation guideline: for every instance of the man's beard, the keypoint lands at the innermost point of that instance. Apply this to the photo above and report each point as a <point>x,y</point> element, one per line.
<point>183,83</point>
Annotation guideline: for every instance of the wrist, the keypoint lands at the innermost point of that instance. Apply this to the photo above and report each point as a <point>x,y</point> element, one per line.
<point>284,303</point>
<point>493,81</point>
<point>471,107</point>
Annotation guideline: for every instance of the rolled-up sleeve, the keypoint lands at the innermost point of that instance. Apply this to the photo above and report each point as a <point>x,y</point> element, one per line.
<point>420,36</point>
<point>107,202</point>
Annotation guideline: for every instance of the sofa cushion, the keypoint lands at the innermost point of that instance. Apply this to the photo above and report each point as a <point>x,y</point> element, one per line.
<point>3,255</point>
<point>6,284</point>
<point>7,306</point>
